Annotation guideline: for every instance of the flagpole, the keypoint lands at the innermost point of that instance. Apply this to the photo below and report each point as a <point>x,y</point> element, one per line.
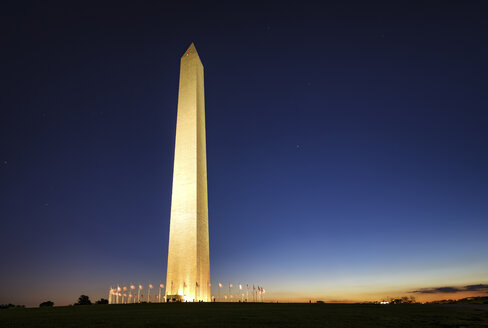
<point>149,287</point>
<point>184,287</point>
<point>161,286</point>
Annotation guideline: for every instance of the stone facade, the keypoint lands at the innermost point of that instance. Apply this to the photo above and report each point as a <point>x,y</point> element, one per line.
<point>188,254</point>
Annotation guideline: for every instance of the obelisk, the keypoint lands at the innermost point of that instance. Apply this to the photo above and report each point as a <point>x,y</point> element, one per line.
<point>188,277</point>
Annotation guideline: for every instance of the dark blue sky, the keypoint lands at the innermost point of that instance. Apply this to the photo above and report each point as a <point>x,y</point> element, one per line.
<point>347,145</point>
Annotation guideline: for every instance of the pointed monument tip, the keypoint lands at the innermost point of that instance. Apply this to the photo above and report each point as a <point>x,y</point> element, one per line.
<point>191,50</point>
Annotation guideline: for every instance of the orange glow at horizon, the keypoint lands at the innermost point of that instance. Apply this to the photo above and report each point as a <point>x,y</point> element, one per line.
<point>357,298</point>
<point>367,290</point>
<point>422,298</point>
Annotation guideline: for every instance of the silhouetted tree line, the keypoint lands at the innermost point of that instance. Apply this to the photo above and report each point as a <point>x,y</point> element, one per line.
<point>403,300</point>
<point>10,305</point>
<point>85,300</point>
<point>466,300</point>
<point>398,300</point>
<point>82,300</point>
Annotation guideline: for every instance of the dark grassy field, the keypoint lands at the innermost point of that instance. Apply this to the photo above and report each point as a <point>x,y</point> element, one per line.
<point>247,315</point>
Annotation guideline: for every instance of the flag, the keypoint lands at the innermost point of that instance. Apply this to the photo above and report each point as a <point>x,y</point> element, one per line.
<point>264,291</point>
<point>125,288</point>
<point>132,287</point>
<point>184,284</point>
<point>230,285</point>
<point>196,284</point>
<point>161,285</point>
<point>119,289</point>
<point>220,285</point>
<point>140,287</point>
<point>240,286</point>
<point>150,286</point>
<point>247,285</point>
<point>253,287</point>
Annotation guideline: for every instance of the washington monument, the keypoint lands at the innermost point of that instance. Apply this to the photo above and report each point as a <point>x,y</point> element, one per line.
<point>188,277</point>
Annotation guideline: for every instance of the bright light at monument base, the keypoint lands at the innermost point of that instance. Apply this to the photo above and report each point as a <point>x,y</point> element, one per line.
<point>188,299</point>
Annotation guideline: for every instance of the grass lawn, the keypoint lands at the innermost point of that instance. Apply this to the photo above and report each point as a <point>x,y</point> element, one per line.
<point>246,315</point>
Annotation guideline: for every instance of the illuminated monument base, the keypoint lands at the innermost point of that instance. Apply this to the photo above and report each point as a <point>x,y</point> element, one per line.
<point>174,298</point>
<point>188,275</point>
